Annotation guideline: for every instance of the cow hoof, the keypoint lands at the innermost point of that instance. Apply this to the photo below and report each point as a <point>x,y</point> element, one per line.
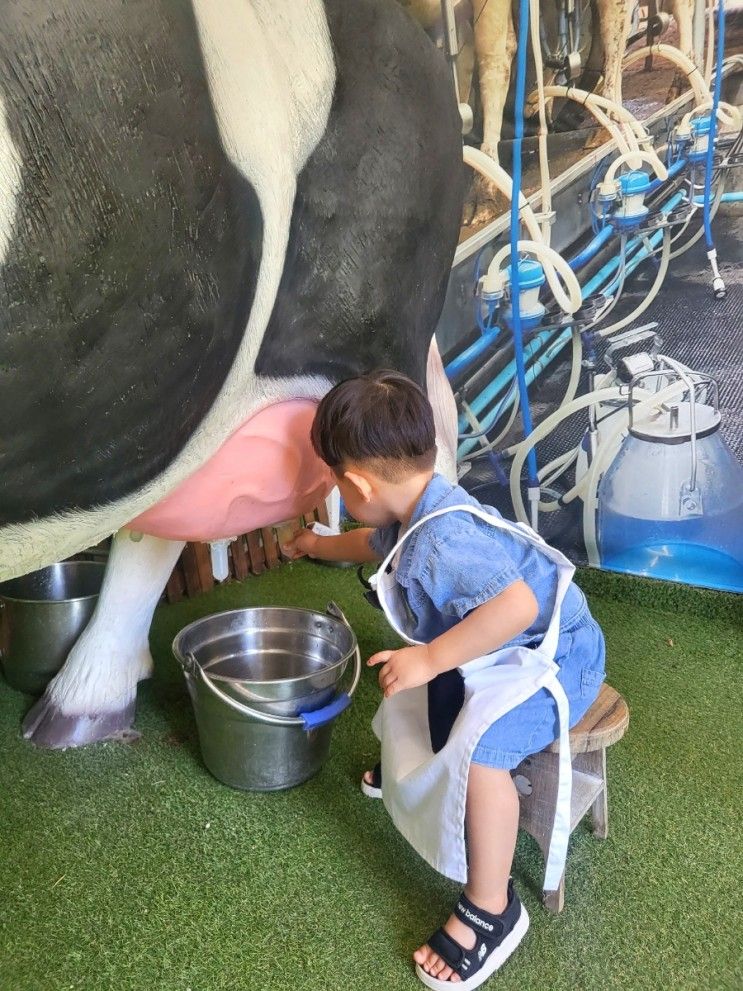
<point>596,139</point>
<point>47,726</point>
<point>483,204</point>
<point>571,117</point>
<point>677,87</point>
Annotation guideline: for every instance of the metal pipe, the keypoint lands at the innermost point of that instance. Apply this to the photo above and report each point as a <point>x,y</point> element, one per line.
<point>451,42</point>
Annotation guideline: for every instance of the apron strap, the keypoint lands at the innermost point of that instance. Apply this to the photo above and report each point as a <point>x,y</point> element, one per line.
<point>558,850</point>
<point>566,569</point>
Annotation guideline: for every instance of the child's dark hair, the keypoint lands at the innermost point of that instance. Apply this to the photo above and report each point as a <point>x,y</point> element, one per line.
<point>382,420</point>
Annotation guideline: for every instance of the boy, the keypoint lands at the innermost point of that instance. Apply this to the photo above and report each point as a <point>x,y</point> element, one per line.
<point>468,589</point>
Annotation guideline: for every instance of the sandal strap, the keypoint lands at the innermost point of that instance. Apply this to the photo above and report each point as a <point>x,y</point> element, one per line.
<point>450,951</point>
<point>376,776</point>
<point>463,962</point>
<point>488,929</point>
<point>488,926</point>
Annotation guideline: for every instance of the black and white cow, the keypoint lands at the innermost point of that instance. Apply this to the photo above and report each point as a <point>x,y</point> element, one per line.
<point>210,212</point>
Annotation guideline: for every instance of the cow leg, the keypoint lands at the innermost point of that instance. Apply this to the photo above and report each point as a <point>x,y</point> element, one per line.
<point>495,47</point>
<point>614,23</point>
<point>444,406</point>
<point>93,696</point>
<point>614,17</point>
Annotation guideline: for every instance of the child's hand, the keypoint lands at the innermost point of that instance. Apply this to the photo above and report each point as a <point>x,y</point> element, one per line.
<point>401,669</point>
<point>303,543</point>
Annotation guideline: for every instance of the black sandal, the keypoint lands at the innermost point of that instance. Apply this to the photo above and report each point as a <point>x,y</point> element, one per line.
<point>373,790</point>
<point>497,938</point>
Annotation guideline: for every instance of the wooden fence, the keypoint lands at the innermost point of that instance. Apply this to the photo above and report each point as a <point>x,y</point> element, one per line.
<point>251,554</point>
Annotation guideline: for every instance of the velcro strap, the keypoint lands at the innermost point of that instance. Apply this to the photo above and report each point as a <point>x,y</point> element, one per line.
<point>448,949</point>
<point>478,919</point>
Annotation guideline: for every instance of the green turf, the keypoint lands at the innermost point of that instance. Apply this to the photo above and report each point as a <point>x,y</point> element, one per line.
<point>129,867</point>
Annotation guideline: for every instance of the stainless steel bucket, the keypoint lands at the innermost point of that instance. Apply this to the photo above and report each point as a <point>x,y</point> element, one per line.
<point>264,684</point>
<point>44,614</point>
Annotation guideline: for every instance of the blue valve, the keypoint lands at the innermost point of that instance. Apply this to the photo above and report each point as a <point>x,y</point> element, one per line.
<point>700,129</point>
<point>531,280</point>
<point>633,187</point>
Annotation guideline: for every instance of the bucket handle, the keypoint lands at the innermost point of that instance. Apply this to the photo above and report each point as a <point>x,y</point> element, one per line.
<point>307,720</point>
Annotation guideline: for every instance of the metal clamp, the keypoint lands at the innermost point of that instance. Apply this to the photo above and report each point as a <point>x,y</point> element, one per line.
<point>306,720</point>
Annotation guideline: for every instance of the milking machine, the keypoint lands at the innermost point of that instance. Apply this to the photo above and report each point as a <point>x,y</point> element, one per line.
<point>660,491</point>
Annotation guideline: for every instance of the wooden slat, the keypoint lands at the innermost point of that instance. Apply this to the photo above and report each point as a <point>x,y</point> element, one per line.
<point>270,547</point>
<point>204,566</point>
<point>321,513</point>
<point>190,570</point>
<point>176,587</point>
<point>239,560</point>
<point>255,551</point>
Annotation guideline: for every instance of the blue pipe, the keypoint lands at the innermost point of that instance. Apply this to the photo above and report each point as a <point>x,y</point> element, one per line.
<point>713,126</point>
<point>518,342</point>
<point>725,198</point>
<point>592,248</point>
<point>466,357</point>
<point>505,376</point>
<point>546,358</point>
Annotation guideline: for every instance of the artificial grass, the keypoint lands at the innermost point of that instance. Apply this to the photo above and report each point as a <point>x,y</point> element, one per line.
<point>129,867</point>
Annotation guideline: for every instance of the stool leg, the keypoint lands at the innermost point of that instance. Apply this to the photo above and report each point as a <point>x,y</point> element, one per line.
<point>537,810</point>
<point>554,901</point>
<point>594,762</point>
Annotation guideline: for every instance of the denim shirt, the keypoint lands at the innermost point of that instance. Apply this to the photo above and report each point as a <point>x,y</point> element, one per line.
<point>456,562</point>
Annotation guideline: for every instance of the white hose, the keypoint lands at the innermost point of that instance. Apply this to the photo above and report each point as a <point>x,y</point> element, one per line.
<point>556,469</point>
<point>729,116</point>
<point>626,141</point>
<point>709,60</point>
<point>665,258</point>
<point>485,165</point>
<point>650,159</point>
<point>548,425</point>
<point>576,357</point>
<point>553,264</point>
<point>504,432</point>
<point>541,430</point>
<point>636,129</point>
<point>636,134</point>
<point>544,168</point>
<point>687,66</point>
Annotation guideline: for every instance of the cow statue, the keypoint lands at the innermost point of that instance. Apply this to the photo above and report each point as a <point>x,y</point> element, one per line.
<point>211,212</point>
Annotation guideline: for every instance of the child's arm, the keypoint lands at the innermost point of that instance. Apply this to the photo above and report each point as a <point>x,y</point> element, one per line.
<point>484,630</point>
<point>350,546</point>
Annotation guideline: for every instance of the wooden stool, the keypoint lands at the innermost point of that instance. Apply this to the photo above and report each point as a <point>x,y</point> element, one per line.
<point>536,778</point>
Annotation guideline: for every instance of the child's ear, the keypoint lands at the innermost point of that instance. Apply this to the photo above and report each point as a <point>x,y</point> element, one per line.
<point>360,483</point>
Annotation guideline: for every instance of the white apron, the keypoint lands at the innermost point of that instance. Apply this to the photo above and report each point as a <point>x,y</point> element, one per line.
<point>425,793</point>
